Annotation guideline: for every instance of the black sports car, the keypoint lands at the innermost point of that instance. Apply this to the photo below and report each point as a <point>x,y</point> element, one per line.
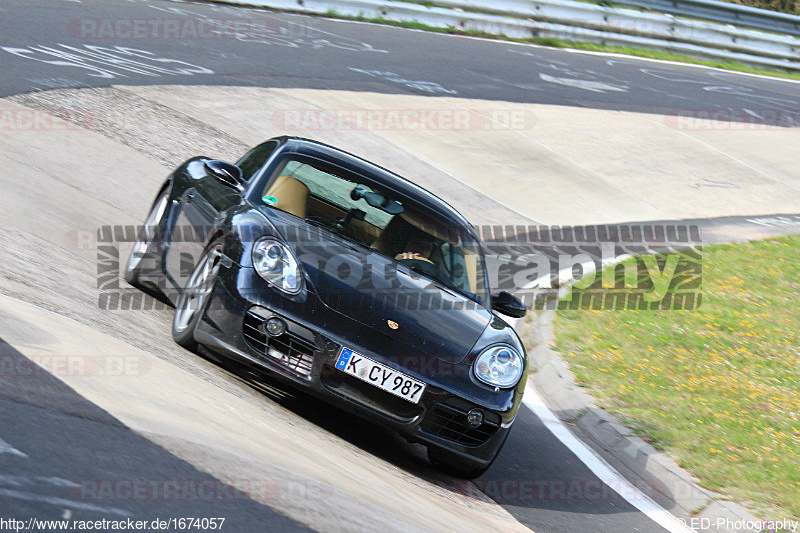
<point>346,280</point>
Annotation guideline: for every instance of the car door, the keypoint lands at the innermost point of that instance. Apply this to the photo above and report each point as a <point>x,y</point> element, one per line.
<point>201,207</point>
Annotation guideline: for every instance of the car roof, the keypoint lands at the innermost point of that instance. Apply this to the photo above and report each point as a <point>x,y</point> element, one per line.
<point>379,175</point>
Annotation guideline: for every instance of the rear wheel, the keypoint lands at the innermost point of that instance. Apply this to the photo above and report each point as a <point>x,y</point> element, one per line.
<point>144,245</point>
<point>194,298</point>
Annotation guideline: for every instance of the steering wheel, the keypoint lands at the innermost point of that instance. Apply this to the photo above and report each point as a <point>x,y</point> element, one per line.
<point>422,266</point>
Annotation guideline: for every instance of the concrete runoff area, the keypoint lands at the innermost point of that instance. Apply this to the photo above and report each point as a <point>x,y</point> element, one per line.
<point>497,162</point>
<point>236,439</point>
<point>545,164</point>
<point>550,164</point>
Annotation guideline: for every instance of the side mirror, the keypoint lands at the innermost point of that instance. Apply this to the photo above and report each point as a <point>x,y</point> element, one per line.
<point>508,304</point>
<point>228,173</point>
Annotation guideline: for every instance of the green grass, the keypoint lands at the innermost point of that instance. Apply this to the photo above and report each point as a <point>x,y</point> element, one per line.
<point>667,56</point>
<point>784,6</point>
<point>716,387</point>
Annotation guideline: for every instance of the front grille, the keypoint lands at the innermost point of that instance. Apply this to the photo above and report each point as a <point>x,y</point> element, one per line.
<point>369,395</point>
<point>448,421</point>
<point>288,350</point>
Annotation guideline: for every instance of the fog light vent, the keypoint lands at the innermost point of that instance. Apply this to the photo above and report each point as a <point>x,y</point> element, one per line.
<point>475,418</point>
<point>275,326</point>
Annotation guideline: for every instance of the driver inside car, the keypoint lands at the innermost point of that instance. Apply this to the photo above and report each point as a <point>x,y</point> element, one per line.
<point>416,250</point>
<point>417,255</point>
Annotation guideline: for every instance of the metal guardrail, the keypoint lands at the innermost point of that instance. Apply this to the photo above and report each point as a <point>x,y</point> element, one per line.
<point>705,10</point>
<point>572,21</point>
<point>722,12</point>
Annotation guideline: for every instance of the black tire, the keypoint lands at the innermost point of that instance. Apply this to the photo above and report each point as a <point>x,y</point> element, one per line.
<point>194,297</point>
<point>145,244</point>
<point>455,466</point>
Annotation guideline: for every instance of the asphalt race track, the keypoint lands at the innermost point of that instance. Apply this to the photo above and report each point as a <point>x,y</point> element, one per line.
<point>197,439</point>
<point>323,54</point>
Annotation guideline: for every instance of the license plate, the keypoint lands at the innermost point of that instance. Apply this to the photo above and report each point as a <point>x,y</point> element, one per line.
<point>380,375</point>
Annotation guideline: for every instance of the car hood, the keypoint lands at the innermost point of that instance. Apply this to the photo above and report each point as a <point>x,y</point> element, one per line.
<point>366,287</point>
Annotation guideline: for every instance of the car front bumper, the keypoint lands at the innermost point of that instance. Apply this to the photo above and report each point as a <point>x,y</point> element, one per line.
<point>304,356</point>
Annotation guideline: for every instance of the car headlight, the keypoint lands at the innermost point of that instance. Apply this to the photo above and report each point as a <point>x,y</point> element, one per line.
<point>275,262</point>
<point>499,366</point>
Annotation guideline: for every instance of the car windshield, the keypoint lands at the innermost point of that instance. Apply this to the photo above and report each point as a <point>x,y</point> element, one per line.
<point>347,205</point>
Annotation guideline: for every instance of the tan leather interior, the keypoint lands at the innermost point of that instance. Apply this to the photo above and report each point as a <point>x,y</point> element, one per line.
<point>362,228</point>
<point>471,264</point>
<point>429,225</point>
<point>292,195</point>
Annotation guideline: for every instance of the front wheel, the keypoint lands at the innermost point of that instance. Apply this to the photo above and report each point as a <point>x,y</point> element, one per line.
<point>193,299</point>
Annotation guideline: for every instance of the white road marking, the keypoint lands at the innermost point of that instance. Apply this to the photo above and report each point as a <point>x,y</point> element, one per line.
<point>111,60</point>
<point>62,502</point>
<point>22,481</point>
<point>752,113</point>
<point>713,70</point>
<point>775,222</point>
<point>600,468</point>
<point>749,95</point>
<point>617,57</point>
<point>7,448</point>
<point>587,85</point>
<point>254,31</point>
<point>668,76</point>
<point>564,275</point>
<point>427,86</point>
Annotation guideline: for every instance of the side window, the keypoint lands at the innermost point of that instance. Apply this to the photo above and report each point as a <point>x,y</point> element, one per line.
<point>255,159</point>
<point>447,256</point>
